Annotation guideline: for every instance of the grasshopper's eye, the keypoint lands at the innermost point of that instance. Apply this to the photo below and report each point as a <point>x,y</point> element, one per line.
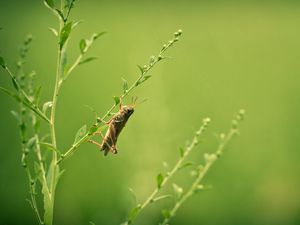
<point>130,110</point>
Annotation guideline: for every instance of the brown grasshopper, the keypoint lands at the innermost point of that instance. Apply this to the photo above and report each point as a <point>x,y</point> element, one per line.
<point>115,126</point>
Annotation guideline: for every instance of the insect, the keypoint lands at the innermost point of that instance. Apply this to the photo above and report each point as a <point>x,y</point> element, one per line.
<point>115,126</point>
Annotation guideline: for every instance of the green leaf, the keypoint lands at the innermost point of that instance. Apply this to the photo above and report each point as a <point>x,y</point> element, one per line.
<point>93,129</point>
<point>133,195</point>
<point>117,100</point>
<point>166,213</point>
<point>186,165</point>
<point>2,62</point>
<point>125,86</point>
<point>69,3</point>
<point>49,146</point>
<point>140,68</point>
<point>80,133</point>
<point>87,60</point>
<point>97,35</point>
<point>49,3</point>
<point>181,150</point>
<point>17,116</point>
<point>53,31</point>
<point>37,94</point>
<point>161,198</point>
<point>15,84</point>
<point>159,180</point>
<point>31,143</point>
<point>75,24</point>
<point>82,46</point>
<point>64,34</point>
<point>46,106</point>
<point>61,15</point>
<point>134,212</point>
<point>178,190</point>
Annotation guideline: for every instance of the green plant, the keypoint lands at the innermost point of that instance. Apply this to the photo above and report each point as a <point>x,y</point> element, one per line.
<point>200,172</point>
<point>40,157</point>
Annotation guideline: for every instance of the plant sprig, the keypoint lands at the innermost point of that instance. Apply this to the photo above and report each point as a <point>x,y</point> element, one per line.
<point>210,159</point>
<point>126,90</point>
<point>163,180</point>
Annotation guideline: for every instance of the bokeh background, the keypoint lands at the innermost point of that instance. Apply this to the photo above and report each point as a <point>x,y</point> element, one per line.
<point>233,54</point>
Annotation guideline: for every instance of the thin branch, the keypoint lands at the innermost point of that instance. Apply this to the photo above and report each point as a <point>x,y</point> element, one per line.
<point>30,104</point>
<point>176,167</point>
<point>210,159</point>
<point>142,78</point>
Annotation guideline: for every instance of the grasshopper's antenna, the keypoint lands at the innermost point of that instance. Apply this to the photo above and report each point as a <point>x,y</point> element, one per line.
<point>135,103</point>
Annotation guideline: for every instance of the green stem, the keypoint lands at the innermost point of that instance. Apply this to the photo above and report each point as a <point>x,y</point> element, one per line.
<point>201,175</point>
<point>54,164</point>
<point>32,106</point>
<point>32,195</point>
<point>75,146</point>
<point>176,167</point>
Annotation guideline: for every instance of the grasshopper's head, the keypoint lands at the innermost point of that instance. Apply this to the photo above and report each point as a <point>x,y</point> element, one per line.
<point>128,110</point>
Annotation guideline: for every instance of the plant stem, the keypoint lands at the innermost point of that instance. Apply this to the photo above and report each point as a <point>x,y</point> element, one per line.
<point>137,82</point>
<point>54,165</point>
<point>176,167</point>
<point>211,159</point>
<point>30,104</point>
<point>32,195</point>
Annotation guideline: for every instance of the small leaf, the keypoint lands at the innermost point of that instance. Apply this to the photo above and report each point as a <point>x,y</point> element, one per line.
<point>17,116</point>
<point>140,68</point>
<point>37,126</point>
<point>61,15</point>
<point>15,84</point>
<point>97,35</point>
<point>87,60</point>
<point>75,24</point>
<point>2,62</point>
<point>92,129</point>
<point>186,165</point>
<point>46,106</point>
<point>178,190</point>
<point>117,100</point>
<point>159,180</point>
<point>82,46</point>
<point>64,34</point>
<point>37,94</point>
<point>134,212</point>
<point>133,195</point>
<point>49,3</point>
<point>53,31</point>
<point>49,146</point>
<point>181,150</point>
<point>125,86</point>
<point>147,77</point>
<point>161,198</point>
<point>31,142</point>
<point>80,133</point>
<point>166,213</point>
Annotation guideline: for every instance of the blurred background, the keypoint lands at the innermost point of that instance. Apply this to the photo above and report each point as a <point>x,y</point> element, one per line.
<point>233,54</point>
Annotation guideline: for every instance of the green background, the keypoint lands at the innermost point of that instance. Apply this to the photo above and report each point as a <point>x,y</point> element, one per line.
<point>233,54</point>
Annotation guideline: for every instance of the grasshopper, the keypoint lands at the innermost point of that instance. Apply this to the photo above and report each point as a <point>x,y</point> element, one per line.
<point>115,126</point>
